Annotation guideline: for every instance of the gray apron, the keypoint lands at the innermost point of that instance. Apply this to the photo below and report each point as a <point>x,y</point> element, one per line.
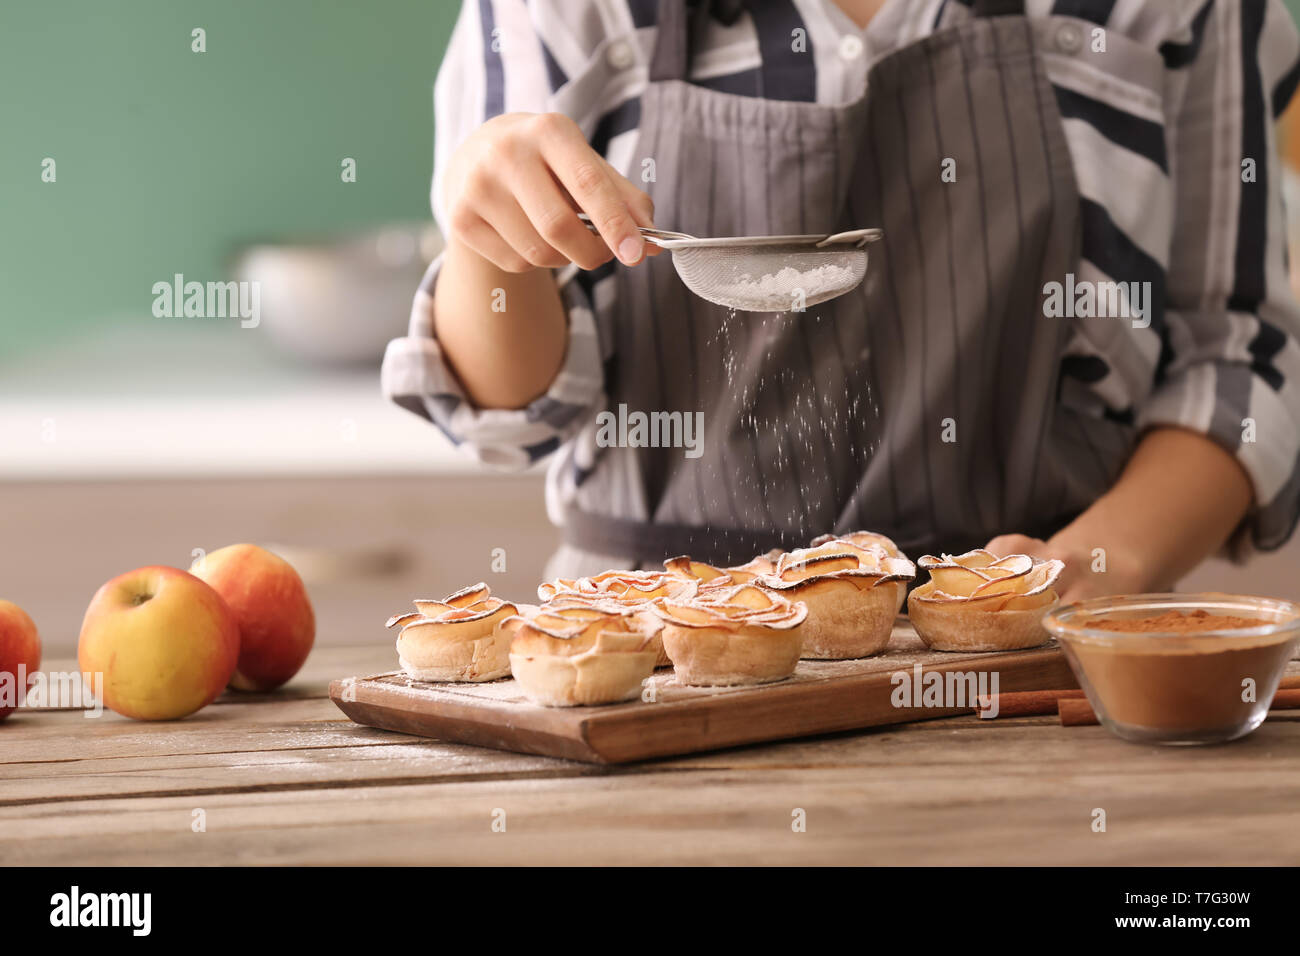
<point>924,405</point>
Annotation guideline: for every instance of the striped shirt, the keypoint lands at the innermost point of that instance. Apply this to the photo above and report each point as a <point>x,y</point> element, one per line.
<point>1174,153</point>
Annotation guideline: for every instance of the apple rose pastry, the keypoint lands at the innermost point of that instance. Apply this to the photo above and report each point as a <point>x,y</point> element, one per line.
<point>761,564</point>
<point>706,574</point>
<point>866,541</point>
<point>853,594</point>
<point>637,590</point>
<point>615,585</point>
<point>638,611</point>
<point>743,634</point>
<point>455,639</point>
<point>979,602</point>
<point>577,653</point>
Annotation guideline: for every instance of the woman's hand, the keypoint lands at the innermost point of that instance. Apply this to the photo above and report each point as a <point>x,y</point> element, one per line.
<point>1089,571</point>
<point>515,186</point>
<point>1177,501</point>
<point>512,193</point>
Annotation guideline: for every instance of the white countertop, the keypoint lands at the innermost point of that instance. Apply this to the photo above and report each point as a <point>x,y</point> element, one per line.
<point>170,398</point>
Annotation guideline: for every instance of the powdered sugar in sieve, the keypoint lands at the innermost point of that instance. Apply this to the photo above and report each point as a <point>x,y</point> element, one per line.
<point>767,273</point>
<point>790,289</point>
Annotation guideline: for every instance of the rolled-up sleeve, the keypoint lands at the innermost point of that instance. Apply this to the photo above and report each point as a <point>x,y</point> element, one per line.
<point>417,377</point>
<point>1231,363</point>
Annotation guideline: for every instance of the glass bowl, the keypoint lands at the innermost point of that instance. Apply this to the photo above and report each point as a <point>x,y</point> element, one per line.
<point>1178,686</point>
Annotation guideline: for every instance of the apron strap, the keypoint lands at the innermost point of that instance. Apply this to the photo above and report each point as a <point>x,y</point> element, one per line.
<point>672,54</point>
<point>783,73</point>
<point>999,8</point>
<point>671,59</point>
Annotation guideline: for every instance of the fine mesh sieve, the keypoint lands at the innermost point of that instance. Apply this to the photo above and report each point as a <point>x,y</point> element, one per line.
<point>767,273</point>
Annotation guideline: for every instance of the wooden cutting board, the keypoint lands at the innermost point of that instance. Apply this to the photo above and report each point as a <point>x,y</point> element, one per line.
<point>822,697</point>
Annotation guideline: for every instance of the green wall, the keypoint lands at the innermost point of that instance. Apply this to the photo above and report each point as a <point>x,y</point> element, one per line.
<point>167,159</point>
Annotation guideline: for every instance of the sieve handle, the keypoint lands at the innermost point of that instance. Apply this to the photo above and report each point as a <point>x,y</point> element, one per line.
<point>859,237</point>
<point>654,235</point>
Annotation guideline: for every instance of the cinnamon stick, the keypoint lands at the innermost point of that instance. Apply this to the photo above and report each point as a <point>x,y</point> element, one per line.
<point>1288,699</point>
<point>1078,713</point>
<point>1025,703</point>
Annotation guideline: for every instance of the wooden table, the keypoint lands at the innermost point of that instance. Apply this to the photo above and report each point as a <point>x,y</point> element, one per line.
<point>285,778</point>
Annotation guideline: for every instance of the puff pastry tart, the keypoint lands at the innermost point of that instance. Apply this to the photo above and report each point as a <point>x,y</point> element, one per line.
<point>706,574</point>
<point>455,639</point>
<point>744,634</point>
<point>578,653</point>
<point>863,539</point>
<point>637,590</point>
<point>762,564</point>
<point>616,585</point>
<point>853,593</point>
<point>979,602</point>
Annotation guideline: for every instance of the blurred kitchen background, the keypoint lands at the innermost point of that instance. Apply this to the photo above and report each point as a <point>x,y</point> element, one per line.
<point>127,439</point>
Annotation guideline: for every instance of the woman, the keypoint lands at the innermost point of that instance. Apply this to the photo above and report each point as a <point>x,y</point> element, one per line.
<point>1021,156</point>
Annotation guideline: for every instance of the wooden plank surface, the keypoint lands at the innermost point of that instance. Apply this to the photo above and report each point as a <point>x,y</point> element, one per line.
<point>291,780</point>
<point>671,719</point>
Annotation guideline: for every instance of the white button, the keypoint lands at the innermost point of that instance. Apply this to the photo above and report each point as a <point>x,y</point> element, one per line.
<point>620,55</point>
<point>1069,38</point>
<point>850,47</point>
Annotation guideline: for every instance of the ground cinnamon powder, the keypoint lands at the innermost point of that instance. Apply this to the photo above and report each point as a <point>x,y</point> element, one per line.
<point>1189,682</point>
<point>1177,622</point>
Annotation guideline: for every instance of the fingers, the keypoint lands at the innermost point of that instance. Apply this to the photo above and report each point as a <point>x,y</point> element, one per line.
<point>554,219</point>
<point>512,222</point>
<point>1005,544</point>
<point>639,204</point>
<point>519,182</point>
<point>1072,584</point>
<point>1078,592</point>
<point>475,232</point>
<point>586,176</point>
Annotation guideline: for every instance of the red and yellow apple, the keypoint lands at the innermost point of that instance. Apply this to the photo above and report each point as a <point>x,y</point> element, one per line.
<point>20,650</point>
<point>165,642</point>
<point>277,626</point>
